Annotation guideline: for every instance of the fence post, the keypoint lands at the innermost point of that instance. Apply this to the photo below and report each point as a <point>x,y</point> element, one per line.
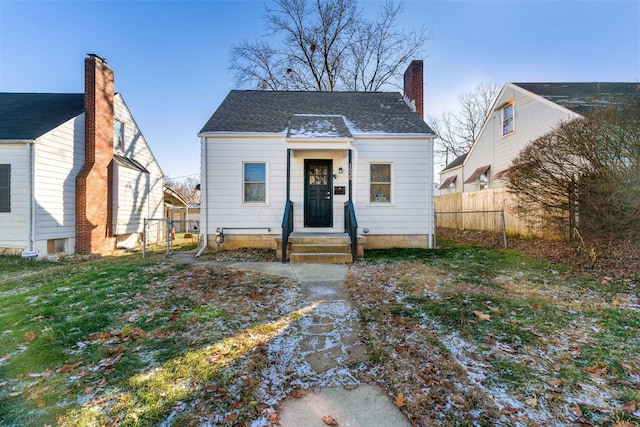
<point>435,229</point>
<point>168,231</point>
<point>504,229</point>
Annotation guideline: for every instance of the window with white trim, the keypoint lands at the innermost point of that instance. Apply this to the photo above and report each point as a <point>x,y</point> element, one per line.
<point>254,182</point>
<point>118,134</point>
<point>380,183</point>
<point>5,188</point>
<point>507,119</point>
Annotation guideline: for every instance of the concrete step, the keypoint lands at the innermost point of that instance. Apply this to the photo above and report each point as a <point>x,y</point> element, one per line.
<point>319,258</point>
<point>339,239</point>
<point>320,248</point>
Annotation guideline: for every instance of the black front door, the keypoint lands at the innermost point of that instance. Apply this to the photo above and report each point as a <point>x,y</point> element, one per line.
<point>318,197</point>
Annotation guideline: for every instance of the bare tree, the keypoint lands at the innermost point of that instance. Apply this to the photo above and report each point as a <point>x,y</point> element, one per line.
<point>326,45</point>
<point>585,174</point>
<point>458,129</point>
<point>187,188</point>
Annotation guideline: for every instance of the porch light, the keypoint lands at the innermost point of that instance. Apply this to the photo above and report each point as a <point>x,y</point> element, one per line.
<point>340,171</point>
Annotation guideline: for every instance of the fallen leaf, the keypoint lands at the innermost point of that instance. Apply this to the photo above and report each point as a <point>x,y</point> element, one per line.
<point>577,411</point>
<point>119,349</point>
<point>200,406</point>
<point>399,400</point>
<point>533,402</point>
<point>103,383</point>
<point>274,420</point>
<point>296,394</point>
<point>30,336</point>
<point>68,368</point>
<point>482,316</point>
<point>458,399</point>
<point>329,420</point>
<point>89,390</point>
<point>230,418</point>
<point>131,319</point>
<point>630,407</point>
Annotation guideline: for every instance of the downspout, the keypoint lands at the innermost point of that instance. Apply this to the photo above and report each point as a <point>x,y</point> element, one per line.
<point>204,226</point>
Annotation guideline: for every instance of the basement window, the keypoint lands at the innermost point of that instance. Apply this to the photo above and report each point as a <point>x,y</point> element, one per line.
<point>5,188</point>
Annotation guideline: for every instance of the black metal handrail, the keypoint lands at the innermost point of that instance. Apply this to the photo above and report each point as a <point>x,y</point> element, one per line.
<point>287,228</point>
<point>351,227</point>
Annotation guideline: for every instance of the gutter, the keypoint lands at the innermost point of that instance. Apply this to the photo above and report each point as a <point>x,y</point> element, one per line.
<point>204,223</point>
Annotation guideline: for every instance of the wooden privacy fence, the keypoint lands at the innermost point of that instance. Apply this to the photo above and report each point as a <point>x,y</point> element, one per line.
<point>480,210</point>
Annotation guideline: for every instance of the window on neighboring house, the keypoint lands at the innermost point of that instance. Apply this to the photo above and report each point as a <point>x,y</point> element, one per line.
<point>118,134</point>
<point>452,186</point>
<point>507,119</point>
<point>483,180</point>
<point>255,182</point>
<point>380,183</point>
<point>5,188</point>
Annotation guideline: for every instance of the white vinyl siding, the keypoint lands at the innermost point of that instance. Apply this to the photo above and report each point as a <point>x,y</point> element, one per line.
<point>131,207</point>
<point>14,224</point>
<point>534,118</point>
<point>137,195</point>
<point>411,209</point>
<point>59,156</point>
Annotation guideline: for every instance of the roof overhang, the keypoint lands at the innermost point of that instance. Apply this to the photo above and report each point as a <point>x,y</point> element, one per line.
<point>448,182</point>
<point>476,174</point>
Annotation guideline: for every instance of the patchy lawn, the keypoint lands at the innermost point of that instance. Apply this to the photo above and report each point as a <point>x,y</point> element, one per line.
<point>475,336</point>
<point>125,341</point>
<point>458,336</point>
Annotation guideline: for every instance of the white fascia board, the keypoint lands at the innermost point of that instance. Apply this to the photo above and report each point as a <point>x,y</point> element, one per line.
<point>242,135</point>
<point>17,141</point>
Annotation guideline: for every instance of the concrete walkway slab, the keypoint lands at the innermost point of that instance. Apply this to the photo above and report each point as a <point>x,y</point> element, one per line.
<point>362,406</point>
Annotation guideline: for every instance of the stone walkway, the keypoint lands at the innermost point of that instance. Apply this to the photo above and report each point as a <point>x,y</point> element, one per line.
<point>324,352</point>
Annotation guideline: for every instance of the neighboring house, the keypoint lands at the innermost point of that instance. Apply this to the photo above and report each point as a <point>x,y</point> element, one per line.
<point>521,113</point>
<point>184,217</point>
<point>76,174</point>
<point>319,150</point>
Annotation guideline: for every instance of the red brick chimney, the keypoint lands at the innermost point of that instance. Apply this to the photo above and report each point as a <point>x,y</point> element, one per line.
<point>413,85</point>
<point>93,195</point>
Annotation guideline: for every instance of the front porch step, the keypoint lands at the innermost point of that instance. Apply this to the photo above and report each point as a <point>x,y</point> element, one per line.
<point>319,248</point>
<point>319,258</point>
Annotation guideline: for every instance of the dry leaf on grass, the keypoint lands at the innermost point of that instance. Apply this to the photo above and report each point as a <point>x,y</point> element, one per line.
<point>273,419</point>
<point>482,316</point>
<point>400,400</point>
<point>329,420</point>
<point>30,336</point>
<point>230,418</point>
<point>296,393</point>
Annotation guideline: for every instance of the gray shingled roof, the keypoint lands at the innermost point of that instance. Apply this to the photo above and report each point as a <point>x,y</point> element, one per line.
<point>273,112</point>
<point>582,98</point>
<point>456,162</point>
<point>27,116</point>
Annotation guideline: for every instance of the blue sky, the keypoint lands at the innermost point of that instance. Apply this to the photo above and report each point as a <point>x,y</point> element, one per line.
<point>170,58</point>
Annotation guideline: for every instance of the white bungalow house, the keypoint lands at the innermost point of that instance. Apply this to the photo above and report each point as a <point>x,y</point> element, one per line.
<point>280,167</point>
<point>520,113</point>
<point>76,173</point>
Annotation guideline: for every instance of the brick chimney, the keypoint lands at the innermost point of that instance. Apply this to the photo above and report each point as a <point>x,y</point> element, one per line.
<point>413,85</point>
<point>93,194</point>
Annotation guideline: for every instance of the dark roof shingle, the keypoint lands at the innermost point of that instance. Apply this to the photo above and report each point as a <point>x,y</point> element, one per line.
<point>582,98</point>
<point>271,111</point>
<point>27,116</point>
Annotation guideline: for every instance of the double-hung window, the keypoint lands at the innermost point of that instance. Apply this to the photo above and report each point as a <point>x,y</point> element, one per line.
<point>255,182</point>
<point>507,119</point>
<point>380,183</point>
<point>5,188</point>
<point>118,134</point>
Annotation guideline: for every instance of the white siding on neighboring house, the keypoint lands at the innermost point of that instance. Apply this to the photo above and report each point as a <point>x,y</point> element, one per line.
<point>59,155</point>
<point>130,196</point>
<point>137,195</point>
<point>533,116</point>
<point>14,224</point>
